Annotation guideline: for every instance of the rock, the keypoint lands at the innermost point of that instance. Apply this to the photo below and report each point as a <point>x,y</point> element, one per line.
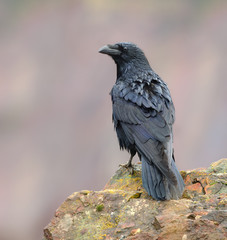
<point>123,210</point>
<point>218,167</point>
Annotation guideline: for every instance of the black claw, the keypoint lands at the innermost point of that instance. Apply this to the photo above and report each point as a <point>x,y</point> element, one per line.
<point>129,167</point>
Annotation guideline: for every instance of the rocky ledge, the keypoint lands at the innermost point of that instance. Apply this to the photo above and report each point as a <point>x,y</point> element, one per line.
<point>123,210</point>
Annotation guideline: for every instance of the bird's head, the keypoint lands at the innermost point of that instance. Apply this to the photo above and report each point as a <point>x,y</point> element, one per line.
<point>127,56</point>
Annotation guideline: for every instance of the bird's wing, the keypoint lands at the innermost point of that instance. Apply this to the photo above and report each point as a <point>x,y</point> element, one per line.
<point>149,130</point>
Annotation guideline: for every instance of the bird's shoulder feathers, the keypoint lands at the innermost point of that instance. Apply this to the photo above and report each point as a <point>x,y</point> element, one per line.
<point>145,92</point>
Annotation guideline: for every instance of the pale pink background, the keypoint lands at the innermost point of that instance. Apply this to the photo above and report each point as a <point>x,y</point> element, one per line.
<point>56,134</point>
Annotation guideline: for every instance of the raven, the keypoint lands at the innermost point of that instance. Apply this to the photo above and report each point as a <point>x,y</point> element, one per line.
<point>143,115</point>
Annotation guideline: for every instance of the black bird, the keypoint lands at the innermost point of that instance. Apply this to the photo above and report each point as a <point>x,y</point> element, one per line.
<point>143,115</point>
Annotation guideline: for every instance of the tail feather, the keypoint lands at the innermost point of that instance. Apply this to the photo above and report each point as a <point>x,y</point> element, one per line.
<point>157,185</point>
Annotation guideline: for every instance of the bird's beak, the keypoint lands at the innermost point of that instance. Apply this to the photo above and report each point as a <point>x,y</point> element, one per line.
<point>110,50</point>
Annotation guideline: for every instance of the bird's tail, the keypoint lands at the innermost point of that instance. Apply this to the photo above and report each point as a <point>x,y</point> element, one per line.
<point>157,185</point>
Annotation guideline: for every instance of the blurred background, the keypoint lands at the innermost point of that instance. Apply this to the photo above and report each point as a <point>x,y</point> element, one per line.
<point>56,132</point>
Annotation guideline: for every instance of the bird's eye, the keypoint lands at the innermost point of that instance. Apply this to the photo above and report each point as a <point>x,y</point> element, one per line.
<point>122,48</point>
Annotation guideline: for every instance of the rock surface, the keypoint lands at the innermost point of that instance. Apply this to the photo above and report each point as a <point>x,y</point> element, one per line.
<point>123,210</point>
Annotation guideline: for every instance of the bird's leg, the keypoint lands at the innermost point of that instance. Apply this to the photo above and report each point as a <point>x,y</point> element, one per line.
<point>129,165</point>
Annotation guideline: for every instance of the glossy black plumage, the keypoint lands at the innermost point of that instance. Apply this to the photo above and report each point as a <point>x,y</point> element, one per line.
<point>143,115</point>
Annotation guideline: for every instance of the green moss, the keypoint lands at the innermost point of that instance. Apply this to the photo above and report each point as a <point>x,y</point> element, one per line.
<point>212,183</point>
<point>183,174</point>
<point>135,195</point>
<point>99,207</point>
<point>186,195</point>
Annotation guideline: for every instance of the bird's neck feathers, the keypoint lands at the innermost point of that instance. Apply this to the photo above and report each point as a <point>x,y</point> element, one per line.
<point>128,70</point>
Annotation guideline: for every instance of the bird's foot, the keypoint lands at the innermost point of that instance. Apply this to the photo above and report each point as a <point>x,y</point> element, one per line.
<point>129,167</point>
